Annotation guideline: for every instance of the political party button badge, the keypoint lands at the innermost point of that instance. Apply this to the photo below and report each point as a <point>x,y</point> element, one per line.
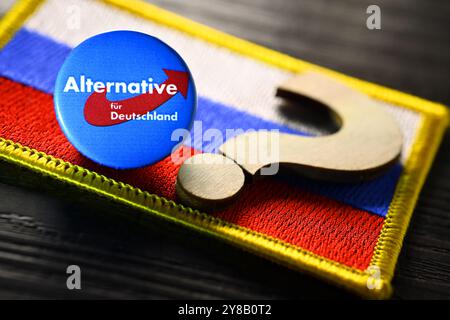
<point>120,95</point>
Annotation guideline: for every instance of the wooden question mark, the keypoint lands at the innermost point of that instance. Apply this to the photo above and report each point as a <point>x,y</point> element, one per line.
<point>368,143</point>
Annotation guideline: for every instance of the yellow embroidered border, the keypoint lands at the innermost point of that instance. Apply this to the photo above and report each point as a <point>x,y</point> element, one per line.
<point>14,18</point>
<point>433,124</point>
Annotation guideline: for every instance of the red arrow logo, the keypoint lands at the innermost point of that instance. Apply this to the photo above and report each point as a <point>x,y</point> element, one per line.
<point>97,110</point>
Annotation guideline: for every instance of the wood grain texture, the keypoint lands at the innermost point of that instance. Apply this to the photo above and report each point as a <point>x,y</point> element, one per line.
<point>209,181</point>
<point>41,234</point>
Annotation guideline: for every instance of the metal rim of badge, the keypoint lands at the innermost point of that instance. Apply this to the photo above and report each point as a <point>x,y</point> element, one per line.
<point>120,96</point>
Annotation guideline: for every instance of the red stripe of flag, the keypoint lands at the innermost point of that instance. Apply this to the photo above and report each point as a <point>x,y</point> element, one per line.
<point>326,227</point>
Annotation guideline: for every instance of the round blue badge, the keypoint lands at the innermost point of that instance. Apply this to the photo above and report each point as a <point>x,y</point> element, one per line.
<point>121,96</point>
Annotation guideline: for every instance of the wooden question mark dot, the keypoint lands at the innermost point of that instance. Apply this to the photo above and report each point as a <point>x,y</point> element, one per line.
<point>368,143</point>
<point>208,181</point>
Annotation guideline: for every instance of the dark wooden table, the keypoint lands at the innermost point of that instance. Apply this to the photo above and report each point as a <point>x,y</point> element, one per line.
<point>41,234</point>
